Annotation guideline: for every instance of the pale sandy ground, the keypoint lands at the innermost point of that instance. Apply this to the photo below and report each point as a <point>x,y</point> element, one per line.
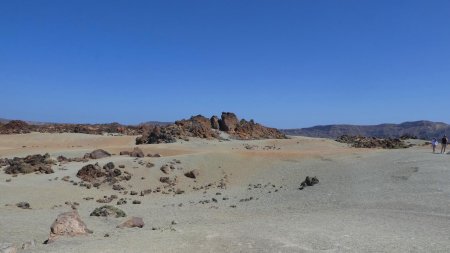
<point>366,201</point>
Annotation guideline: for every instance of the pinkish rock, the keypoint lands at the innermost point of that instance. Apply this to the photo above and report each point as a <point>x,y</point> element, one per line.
<point>133,222</point>
<point>67,224</point>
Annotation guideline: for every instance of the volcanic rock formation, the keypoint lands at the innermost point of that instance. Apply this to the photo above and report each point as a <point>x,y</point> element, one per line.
<point>202,127</point>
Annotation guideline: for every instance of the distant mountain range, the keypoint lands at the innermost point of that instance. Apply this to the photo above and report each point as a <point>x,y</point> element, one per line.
<point>421,129</point>
<point>153,123</point>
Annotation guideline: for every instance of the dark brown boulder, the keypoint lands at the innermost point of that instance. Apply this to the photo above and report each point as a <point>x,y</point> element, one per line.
<point>30,164</point>
<point>90,173</point>
<point>309,181</point>
<point>228,122</point>
<point>192,174</point>
<point>109,166</point>
<point>23,205</point>
<point>165,180</point>
<point>165,169</point>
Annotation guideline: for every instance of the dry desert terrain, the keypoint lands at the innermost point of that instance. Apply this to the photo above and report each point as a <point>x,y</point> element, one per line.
<point>367,200</point>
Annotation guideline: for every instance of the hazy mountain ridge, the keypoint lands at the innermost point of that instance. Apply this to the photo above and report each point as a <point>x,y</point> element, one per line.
<point>421,129</point>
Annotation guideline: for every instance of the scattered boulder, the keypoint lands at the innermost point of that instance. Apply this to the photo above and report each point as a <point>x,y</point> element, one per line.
<point>90,173</point>
<point>23,205</point>
<point>3,162</point>
<point>67,224</point>
<point>309,181</point>
<point>93,173</point>
<point>164,180</point>
<point>30,164</point>
<point>109,166</point>
<point>192,174</point>
<point>107,211</point>
<point>97,154</point>
<point>121,201</point>
<point>124,152</point>
<point>133,222</point>
<point>137,152</point>
<point>165,169</point>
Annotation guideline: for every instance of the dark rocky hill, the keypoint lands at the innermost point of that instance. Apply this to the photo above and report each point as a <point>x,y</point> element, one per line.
<point>420,129</point>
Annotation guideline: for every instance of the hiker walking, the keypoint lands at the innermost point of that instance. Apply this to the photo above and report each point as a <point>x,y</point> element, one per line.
<point>434,143</point>
<point>444,143</point>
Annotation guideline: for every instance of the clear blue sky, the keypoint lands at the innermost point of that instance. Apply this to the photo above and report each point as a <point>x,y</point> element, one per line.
<point>284,63</point>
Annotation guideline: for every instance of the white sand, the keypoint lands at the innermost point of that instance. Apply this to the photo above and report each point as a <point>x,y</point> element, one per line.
<point>366,201</point>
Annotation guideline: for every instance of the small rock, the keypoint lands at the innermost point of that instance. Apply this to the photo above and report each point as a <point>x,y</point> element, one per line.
<point>136,202</point>
<point>29,244</point>
<point>192,174</point>
<point>165,169</point>
<point>23,205</point>
<point>121,202</point>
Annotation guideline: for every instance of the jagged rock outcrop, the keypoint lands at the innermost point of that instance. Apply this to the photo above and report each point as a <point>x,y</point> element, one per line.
<point>30,164</point>
<point>15,127</point>
<point>158,135</point>
<point>197,126</point>
<point>249,130</point>
<point>202,127</point>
